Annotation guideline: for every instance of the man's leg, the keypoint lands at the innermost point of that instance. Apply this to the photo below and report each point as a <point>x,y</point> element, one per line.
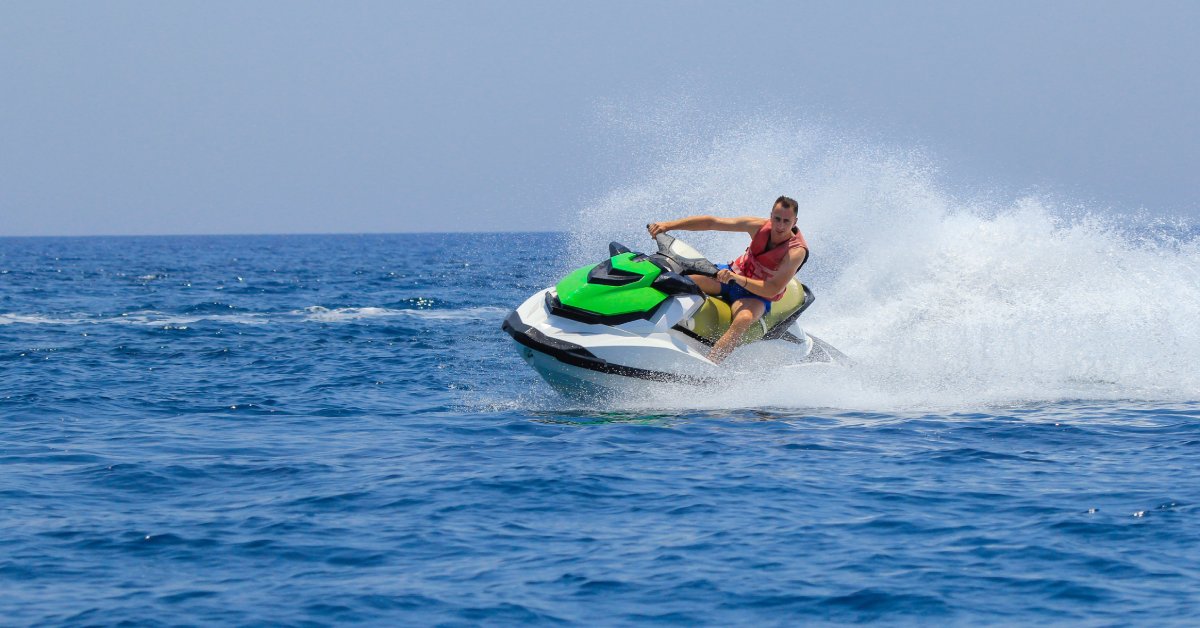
<point>744,312</point>
<point>707,284</point>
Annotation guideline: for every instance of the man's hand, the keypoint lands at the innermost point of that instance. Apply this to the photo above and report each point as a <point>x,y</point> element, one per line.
<point>656,228</point>
<point>727,276</point>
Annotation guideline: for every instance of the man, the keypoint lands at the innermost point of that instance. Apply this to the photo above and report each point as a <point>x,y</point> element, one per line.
<point>756,279</point>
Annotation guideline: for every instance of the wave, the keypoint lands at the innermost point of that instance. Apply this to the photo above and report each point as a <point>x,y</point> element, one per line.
<point>316,313</point>
<point>12,318</point>
<point>160,319</point>
<point>344,314</point>
<point>140,318</point>
<point>941,298</point>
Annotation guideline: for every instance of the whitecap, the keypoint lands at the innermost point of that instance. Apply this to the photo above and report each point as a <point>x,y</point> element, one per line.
<point>321,314</point>
<point>13,318</point>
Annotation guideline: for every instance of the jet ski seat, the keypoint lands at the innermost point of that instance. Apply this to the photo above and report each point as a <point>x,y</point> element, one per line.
<point>712,319</point>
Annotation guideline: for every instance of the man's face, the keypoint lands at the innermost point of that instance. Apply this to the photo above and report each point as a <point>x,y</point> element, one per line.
<point>782,221</point>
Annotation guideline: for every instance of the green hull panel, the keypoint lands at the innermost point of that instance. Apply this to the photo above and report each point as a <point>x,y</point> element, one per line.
<point>575,290</point>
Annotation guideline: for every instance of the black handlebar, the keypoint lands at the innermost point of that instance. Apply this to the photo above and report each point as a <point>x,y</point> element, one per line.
<point>690,265</point>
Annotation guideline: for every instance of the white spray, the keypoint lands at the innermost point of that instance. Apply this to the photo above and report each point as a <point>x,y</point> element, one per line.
<point>943,302</point>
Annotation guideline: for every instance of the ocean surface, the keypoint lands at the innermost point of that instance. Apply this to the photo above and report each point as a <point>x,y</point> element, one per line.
<point>318,430</point>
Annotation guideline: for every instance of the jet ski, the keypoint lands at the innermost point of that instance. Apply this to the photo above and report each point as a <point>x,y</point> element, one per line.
<point>636,317</point>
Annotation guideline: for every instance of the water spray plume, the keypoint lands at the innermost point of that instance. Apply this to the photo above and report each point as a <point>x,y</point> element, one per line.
<point>943,301</point>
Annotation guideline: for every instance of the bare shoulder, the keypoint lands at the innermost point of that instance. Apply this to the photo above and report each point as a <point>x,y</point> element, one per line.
<point>794,259</point>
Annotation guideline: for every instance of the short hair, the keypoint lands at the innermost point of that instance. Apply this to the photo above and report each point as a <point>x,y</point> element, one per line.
<point>788,203</point>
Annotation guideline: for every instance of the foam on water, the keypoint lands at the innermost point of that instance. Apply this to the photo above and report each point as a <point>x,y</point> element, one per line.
<point>941,298</point>
<point>314,313</point>
<point>13,318</point>
<point>161,319</point>
<point>343,314</point>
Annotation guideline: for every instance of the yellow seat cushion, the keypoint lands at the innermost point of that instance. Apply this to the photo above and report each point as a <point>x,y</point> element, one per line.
<point>712,319</point>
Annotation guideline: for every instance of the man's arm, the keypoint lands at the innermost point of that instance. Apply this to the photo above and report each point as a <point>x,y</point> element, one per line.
<point>747,224</point>
<point>768,288</point>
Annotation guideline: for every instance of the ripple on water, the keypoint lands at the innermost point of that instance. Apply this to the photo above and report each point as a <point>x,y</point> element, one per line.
<point>330,440</point>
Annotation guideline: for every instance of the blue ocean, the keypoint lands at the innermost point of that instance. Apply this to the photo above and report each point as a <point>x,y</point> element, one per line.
<point>319,430</point>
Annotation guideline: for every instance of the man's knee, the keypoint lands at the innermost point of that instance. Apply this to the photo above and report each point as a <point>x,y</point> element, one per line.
<point>743,318</point>
<point>748,310</point>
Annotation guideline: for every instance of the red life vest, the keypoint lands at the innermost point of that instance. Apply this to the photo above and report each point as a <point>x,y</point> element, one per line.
<point>759,263</point>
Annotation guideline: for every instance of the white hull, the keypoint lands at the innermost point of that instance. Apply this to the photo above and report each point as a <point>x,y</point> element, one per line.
<point>583,360</point>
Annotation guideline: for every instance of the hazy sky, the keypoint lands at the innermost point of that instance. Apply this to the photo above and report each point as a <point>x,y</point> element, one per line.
<point>294,117</point>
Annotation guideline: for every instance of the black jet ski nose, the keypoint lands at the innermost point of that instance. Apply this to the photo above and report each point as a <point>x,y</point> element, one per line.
<point>616,248</point>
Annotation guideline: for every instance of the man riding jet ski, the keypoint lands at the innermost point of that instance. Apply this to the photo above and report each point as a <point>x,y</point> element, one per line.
<point>760,276</point>
<point>633,317</point>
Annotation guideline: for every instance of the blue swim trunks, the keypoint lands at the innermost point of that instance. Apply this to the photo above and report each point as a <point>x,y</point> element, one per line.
<point>731,292</point>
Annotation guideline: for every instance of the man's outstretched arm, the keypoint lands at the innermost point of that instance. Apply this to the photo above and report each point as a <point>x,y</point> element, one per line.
<point>747,224</point>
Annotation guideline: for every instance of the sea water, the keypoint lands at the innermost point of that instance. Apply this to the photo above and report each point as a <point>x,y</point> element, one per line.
<point>315,430</point>
<point>329,429</point>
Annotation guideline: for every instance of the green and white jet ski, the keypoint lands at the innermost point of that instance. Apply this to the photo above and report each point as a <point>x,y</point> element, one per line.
<point>639,317</point>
